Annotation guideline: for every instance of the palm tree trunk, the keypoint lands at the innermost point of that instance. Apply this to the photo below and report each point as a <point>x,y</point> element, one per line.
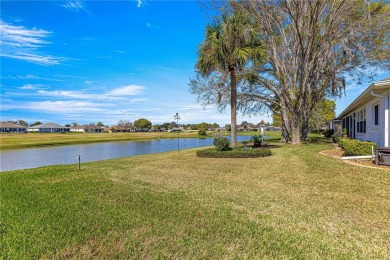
<point>233,105</point>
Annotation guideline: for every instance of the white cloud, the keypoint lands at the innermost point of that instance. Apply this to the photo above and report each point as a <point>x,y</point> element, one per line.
<point>139,3</point>
<point>76,5</point>
<point>34,58</point>
<point>116,94</point>
<point>19,42</point>
<point>129,90</point>
<point>135,100</point>
<point>33,87</point>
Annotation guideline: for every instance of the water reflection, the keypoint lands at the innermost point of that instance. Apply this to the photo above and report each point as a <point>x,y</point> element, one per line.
<point>37,157</point>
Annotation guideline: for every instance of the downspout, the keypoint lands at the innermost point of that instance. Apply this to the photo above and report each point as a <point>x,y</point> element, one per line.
<point>386,99</point>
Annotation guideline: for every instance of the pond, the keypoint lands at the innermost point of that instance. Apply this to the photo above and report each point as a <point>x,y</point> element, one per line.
<point>44,156</point>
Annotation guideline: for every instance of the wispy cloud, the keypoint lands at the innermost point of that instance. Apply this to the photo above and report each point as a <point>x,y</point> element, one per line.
<point>135,100</point>
<point>120,93</point>
<point>152,26</point>
<point>139,3</point>
<point>129,90</point>
<point>19,42</point>
<point>76,5</point>
<point>33,87</point>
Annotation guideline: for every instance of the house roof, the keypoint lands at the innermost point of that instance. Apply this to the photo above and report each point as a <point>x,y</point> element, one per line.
<point>366,96</point>
<point>85,127</point>
<point>49,125</point>
<point>10,125</point>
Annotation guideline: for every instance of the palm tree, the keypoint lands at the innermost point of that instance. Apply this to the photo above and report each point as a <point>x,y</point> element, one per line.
<point>230,44</point>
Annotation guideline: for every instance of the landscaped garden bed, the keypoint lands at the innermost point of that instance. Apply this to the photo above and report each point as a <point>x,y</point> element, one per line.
<point>234,153</point>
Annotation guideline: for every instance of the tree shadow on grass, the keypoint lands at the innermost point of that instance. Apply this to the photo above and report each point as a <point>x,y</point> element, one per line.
<point>317,140</point>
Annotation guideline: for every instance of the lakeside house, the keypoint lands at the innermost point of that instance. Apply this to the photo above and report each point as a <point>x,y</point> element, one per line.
<point>49,128</point>
<point>118,129</point>
<point>7,127</point>
<point>367,117</point>
<point>86,129</point>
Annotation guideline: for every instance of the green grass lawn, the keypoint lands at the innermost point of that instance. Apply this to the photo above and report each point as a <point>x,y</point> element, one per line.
<point>294,204</point>
<point>12,141</point>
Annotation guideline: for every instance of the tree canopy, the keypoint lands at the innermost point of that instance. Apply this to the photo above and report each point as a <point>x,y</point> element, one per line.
<point>313,48</point>
<point>230,44</point>
<point>142,124</point>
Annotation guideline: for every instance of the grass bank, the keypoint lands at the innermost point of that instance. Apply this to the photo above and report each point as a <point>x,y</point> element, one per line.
<point>293,204</point>
<point>12,141</point>
<point>15,141</point>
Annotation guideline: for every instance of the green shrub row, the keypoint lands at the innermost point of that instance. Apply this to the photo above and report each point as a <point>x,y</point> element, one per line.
<point>221,143</point>
<point>354,147</point>
<point>235,153</point>
<point>202,132</point>
<point>329,133</point>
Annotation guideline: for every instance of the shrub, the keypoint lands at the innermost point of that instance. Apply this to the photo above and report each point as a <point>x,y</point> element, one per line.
<point>329,133</point>
<point>221,143</point>
<point>202,132</point>
<point>235,153</point>
<point>353,147</point>
<point>335,138</point>
<point>256,139</point>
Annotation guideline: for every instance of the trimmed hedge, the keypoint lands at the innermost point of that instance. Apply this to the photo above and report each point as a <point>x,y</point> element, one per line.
<point>202,132</point>
<point>354,147</point>
<point>235,153</point>
<point>221,143</point>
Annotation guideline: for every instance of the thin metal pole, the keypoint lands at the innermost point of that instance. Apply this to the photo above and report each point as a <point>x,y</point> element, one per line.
<point>177,117</point>
<point>79,163</point>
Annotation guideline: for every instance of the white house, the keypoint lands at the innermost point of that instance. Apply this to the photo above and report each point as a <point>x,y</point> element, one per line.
<point>367,117</point>
<point>49,128</point>
<point>86,129</point>
<point>7,127</point>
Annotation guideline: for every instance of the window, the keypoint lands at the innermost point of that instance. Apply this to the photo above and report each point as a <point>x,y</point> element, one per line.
<point>376,115</point>
<point>361,121</point>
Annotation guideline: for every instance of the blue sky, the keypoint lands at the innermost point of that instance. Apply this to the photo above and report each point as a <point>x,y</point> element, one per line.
<point>90,61</point>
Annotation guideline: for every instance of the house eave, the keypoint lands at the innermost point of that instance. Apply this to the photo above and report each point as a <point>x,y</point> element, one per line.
<point>365,97</point>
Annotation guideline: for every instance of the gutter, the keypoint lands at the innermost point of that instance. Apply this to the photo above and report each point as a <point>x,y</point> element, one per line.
<point>386,99</point>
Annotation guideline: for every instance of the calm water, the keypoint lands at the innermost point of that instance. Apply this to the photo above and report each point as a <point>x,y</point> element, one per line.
<point>37,157</point>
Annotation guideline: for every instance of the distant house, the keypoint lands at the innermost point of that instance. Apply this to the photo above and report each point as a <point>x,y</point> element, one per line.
<point>49,128</point>
<point>176,129</point>
<point>246,128</point>
<point>118,129</point>
<point>86,129</point>
<point>6,127</point>
<point>367,117</point>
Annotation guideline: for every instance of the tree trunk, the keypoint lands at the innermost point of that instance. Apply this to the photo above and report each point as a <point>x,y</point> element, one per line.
<point>295,129</point>
<point>285,126</point>
<point>233,105</point>
<point>305,128</point>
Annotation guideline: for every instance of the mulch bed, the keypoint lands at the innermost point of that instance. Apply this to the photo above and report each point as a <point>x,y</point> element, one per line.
<point>337,152</point>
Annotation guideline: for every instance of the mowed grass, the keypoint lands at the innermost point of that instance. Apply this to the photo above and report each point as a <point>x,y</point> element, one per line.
<point>294,204</point>
<point>12,141</point>
<point>15,141</point>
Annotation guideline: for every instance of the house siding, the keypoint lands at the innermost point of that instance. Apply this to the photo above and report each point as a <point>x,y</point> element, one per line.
<point>374,133</point>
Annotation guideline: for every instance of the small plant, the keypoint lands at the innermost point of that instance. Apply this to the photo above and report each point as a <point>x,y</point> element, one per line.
<point>335,138</point>
<point>221,143</point>
<point>257,140</point>
<point>202,132</point>
<point>345,131</point>
<point>329,133</point>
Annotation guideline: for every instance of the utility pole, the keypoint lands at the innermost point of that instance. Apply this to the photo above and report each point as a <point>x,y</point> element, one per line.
<point>177,117</point>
